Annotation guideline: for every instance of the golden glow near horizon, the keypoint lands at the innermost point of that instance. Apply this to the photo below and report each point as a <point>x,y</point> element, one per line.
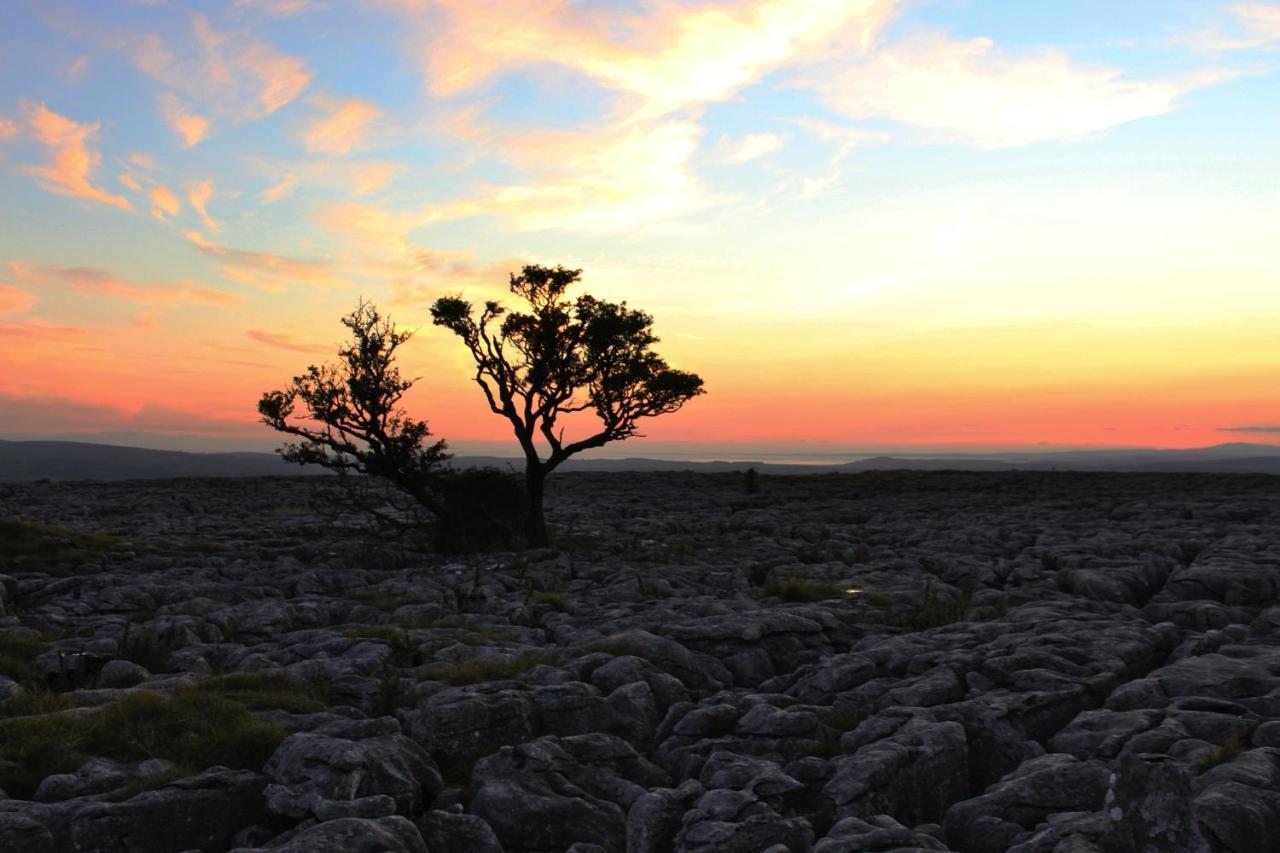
<point>866,223</point>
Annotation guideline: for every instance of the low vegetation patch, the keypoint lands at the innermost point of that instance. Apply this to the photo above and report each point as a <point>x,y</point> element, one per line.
<point>30,546</point>
<point>17,654</point>
<point>193,728</point>
<point>404,652</point>
<point>384,600</point>
<point>267,691</point>
<point>1226,751</point>
<point>936,610</point>
<point>799,589</point>
<point>555,600</point>
<point>476,671</point>
<point>147,648</point>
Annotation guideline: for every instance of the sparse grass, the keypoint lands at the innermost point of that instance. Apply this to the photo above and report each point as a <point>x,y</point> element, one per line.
<point>32,701</point>
<point>878,599</point>
<point>476,671</point>
<point>381,599</point>
<point>149,783</point>
<point>1226,751</point>
<point>649,590</point>
<point>391,692</point>
<point>190,727</point>
<point>30,546</point>
<point>267,691</point>
<point>17,654</point>
<point>555,600</point>
<point>996,611</point>
<point>799,589</point>
<point>148,649</point>
<point>404,652</point>
<point>935,611</point>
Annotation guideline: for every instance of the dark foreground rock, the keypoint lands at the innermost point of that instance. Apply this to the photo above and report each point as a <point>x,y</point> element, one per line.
<point>1037,663</point>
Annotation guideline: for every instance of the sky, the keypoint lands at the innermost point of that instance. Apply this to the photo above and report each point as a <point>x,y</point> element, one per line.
<point>867,224</point>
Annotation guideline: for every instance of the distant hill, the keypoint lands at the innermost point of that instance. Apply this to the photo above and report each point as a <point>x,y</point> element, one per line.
<point>69,460</point>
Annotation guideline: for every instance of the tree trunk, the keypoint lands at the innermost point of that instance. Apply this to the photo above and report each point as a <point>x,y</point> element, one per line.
<point>535,477</point>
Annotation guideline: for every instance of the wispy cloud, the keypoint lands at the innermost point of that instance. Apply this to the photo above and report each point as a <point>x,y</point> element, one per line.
<point>280,340</point>
<point>1262,428</point>
<point>73,161</point>
<point>14,300</point>
<point>668,55</point>
<point>276,8</point>
<point>229,75</point>
<point>344,126</point>
<point>264,269</point>
<point>973,91</point>
<point>279,189</point>
<point>91,281</point>
<point>1257,25</point>
<point>368,178</point>
<point>750,147</point>
<point>199,196</point>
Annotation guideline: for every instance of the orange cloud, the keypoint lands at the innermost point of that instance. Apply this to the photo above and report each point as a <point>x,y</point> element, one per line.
<point>13,299</point>
<point>199,196</point>
<point>191,128</point>
<point>73,160</point>
<point>39,332</point>
<point>279,190</point>
<point>368,178</point>
<point>283,341</point>
<point>8,129</point>
<point>344,126</point>
<point>164,202</point>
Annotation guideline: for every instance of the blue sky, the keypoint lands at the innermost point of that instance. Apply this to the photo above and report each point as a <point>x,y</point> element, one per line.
<point>916,223</point>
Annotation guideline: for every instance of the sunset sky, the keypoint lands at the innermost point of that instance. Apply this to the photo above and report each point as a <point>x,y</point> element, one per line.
<point>867,224</point>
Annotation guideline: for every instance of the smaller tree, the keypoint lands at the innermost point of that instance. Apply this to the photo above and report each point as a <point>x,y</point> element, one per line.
<point>561,358</point>
<point>352,421</point>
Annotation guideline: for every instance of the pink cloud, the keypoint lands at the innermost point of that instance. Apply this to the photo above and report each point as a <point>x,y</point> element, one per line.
<point>91,281</point>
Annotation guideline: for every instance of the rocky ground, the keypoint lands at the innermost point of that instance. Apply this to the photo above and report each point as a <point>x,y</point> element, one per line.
<point>1030,662</point>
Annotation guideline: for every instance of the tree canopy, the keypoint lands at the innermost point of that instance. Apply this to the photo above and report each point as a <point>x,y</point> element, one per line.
<point>352,420</point>
<point>561,357</point>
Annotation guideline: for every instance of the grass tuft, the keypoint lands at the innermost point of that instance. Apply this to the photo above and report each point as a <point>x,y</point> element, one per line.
<point>477,671</point>
<point>799,589</point>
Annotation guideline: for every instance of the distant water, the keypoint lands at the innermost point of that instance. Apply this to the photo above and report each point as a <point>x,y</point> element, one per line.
<point>787,458</point>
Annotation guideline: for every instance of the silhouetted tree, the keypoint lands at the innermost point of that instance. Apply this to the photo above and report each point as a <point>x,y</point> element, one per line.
<point>561,358</point>
<point>352,420</point>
